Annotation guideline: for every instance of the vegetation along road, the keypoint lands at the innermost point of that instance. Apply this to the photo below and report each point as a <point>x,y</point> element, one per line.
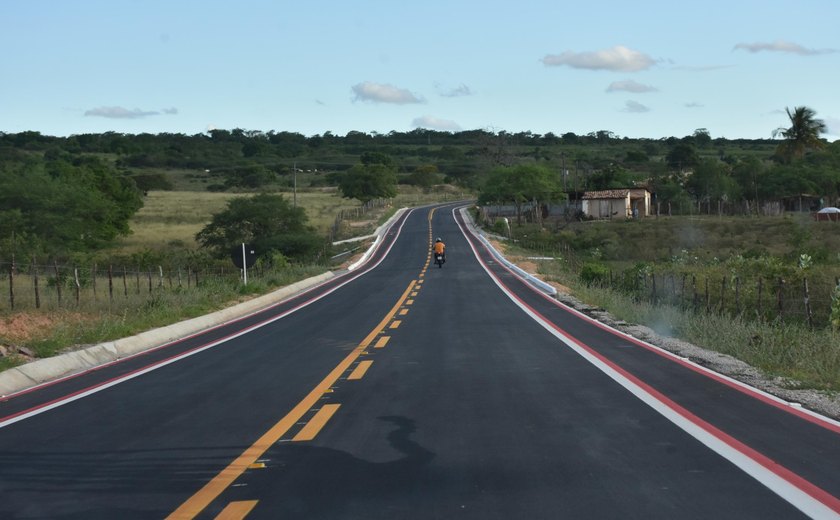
<point>404,391</point>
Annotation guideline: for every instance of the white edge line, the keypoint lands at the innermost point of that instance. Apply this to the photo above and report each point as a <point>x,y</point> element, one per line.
<point>62,402</point>
<point>683,360</point>
<point>792,494</point>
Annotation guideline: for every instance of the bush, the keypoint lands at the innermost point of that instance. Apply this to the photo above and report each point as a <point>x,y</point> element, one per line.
<point>594,272</point>
<point>500,228</point>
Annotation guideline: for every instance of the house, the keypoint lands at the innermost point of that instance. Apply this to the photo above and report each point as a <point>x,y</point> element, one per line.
<point>621,204</point>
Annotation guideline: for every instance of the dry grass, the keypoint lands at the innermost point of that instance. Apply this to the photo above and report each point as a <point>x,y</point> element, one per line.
<point>176,216</point>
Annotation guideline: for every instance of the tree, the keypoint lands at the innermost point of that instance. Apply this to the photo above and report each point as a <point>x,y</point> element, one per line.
<point>266,221</point>
<point>425,176</point>
<point>682,156</point>
<point>711,181</point>
<point>802,135</point>
<point>520,184</point>
<point>747,173</point>
<point>612,176</point>
<point>702,138</point>
<point>368,182</point>
<point>65,207</point>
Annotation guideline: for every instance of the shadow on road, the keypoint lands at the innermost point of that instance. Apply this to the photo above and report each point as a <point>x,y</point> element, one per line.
<point>306,481</point>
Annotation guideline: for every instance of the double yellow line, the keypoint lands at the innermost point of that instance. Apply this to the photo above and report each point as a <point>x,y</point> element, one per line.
<point>215,487</point>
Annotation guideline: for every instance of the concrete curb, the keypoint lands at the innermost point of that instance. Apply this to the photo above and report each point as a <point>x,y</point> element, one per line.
<point>531,279</point>
<point>380,231</point>
<point>42,370</point>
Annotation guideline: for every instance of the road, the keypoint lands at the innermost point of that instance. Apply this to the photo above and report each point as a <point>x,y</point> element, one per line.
<point>401,390</point>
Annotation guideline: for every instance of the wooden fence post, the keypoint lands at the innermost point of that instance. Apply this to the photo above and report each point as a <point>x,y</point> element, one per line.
<point>78,286</point>
<point>760,287</point>
<point>149,273</point>
<point>808,316</point>
<point>708,297</point>
<point>110,283</point>
<point>12,283</point>
<point>781,299</point>
<point>35,282</point>
<point>125,282</point>
<point>723,295</point>
<point>694,288</point>
<point>93,281</point>
<point>57,281</point>
<point>137,278</point>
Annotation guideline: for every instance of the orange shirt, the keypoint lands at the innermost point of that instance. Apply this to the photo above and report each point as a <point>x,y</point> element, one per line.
<point>439,248</point>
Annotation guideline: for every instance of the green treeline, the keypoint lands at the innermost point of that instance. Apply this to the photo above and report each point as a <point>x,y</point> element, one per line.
<point>77,193</point>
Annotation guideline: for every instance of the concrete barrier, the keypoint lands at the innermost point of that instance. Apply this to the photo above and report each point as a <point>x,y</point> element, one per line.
<point>49,369</point>
<point>533,280</point>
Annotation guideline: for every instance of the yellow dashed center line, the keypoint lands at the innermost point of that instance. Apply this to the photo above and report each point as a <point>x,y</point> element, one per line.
<point>308,432</point>
<point>382,342</point>
<point>403,312</point>
<point>360,370</point>
<point>215,487</point>
<point>237,510</point>
<point>395,324</point>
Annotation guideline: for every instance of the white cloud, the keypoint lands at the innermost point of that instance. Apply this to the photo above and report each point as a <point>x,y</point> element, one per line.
<point>630,86</point>
<point>382,93</point>
<point>434,123</point>
<point>618,58</point>
<point>782,46</point>
<point>634,107</point>
<point>459,91</point>
<point>120,113</point>
<point>694,104</point>
<point>124,113</point>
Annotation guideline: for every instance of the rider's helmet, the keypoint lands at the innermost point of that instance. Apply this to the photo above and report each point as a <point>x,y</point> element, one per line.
<point>438,239</point>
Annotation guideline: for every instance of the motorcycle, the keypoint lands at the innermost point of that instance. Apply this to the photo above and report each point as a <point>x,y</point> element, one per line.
<point>439,260</point>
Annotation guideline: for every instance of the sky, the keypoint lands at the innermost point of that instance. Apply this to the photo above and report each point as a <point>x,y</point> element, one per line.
<point>640,69</point>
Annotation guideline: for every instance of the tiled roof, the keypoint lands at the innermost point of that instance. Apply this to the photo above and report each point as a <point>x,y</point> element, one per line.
<point>606,194</point>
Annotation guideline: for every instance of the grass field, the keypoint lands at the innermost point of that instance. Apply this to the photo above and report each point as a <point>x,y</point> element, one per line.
<point>174,217</point>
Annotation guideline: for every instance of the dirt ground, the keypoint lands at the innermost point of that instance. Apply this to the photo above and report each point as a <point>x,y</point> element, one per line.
<point>23,326</point>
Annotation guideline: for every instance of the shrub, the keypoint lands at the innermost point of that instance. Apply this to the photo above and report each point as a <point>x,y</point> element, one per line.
<point>594,272</point>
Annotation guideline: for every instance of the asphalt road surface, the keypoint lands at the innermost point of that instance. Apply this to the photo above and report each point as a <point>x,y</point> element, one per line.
<point>403,390</point>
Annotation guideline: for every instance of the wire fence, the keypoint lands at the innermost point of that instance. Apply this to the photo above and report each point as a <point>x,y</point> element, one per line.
<point>804,298</point>
<point>339,228</point>
<point>51,286</point>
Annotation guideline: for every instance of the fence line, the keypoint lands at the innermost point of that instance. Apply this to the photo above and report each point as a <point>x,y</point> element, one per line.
<point>35,286</point>
<point>804,299</point>
<point>352,213</point>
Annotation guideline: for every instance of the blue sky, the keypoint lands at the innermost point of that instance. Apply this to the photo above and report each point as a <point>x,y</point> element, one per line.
<point>639,69</point>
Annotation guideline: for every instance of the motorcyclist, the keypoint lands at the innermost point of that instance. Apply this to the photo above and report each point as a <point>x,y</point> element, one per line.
<point>440,249</point>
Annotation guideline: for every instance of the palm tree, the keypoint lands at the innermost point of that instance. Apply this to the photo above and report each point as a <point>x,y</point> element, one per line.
<point>803,134</point>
